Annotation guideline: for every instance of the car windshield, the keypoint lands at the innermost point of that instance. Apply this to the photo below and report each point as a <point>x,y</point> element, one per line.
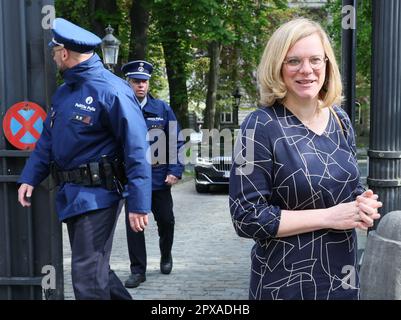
<point>217,144</point>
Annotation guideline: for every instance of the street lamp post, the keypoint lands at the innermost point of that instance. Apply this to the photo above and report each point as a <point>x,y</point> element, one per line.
<point>348,62</point>
<point>110,47</point>
<point>237,95</point>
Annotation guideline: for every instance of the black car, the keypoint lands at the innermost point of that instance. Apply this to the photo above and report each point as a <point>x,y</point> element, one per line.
<point>211,171</point>
<point>214,158</point>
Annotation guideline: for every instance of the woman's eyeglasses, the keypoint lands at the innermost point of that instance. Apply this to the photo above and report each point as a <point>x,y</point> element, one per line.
<point>295,63</point>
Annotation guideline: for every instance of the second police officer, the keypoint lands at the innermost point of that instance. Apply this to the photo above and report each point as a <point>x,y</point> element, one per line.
<point>166,170</point>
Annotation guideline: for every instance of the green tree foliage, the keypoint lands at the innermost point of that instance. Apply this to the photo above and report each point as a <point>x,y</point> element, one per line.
<point>181,34</point>
<point>96,15</point>
<point>242,28</point>
<point>76,11</point>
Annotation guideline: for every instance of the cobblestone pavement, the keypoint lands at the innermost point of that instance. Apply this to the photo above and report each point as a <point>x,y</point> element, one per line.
<point>210,261</point>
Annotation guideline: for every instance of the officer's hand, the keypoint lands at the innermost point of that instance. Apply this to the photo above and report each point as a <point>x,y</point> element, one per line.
<point>170,180</point>
<point>138,221</point>
<point>24,194</point>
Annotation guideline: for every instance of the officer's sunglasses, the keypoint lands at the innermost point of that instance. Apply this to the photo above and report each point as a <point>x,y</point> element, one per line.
<point>57,47</point>
<point>55,50</point>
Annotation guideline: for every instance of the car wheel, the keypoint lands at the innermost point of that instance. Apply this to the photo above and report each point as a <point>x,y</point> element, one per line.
<point>201,188</point>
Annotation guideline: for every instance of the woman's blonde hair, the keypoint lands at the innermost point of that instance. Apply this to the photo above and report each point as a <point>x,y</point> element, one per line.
<point>272,86</point>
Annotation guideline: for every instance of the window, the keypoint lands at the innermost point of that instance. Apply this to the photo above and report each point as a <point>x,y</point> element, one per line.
<point>226,117</point>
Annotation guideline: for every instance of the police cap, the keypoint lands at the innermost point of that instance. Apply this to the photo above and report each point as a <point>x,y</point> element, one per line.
<point>138,69</point>
<point>73,37</point>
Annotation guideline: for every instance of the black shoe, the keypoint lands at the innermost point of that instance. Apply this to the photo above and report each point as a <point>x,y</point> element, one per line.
<point>134,280</point>
<point>166,264</point>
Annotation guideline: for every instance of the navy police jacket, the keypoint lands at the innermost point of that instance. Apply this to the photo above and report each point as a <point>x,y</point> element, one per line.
<point>94,113</point>
<point>165,141</point>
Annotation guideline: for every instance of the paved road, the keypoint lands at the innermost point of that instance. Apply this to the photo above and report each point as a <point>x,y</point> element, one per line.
<point>210,261</point>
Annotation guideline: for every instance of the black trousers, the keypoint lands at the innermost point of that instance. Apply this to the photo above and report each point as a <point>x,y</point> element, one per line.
<point>91,237</point>
<point>162,208</point>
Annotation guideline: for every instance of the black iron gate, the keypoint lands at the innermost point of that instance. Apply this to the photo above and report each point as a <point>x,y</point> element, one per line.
<point>30,239</point>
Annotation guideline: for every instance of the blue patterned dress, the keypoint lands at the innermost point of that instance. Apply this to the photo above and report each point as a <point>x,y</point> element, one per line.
<point>293,168</point>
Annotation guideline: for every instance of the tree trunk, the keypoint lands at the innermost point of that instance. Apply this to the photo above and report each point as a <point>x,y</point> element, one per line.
<point>214,72</point>
<point>139,25</point>
<point>177,82</point>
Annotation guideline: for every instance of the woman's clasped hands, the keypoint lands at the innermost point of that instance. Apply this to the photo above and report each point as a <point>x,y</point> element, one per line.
<point>360,213</point>
<point>368,205</point>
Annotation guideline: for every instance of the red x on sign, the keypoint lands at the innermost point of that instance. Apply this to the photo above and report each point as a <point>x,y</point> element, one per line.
<point>23,124</point>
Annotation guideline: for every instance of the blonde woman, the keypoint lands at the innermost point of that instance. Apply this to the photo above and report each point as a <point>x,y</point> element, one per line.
<point>303,199</point>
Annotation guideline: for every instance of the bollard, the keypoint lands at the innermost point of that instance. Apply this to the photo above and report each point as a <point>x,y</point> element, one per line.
<point>380,275</point>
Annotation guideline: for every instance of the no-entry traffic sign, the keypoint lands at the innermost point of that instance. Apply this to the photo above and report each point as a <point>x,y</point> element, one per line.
<point>23,124</point>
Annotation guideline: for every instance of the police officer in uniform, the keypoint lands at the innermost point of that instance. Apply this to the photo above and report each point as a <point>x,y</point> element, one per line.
<point>92,147</point>
<point>166,170</point>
